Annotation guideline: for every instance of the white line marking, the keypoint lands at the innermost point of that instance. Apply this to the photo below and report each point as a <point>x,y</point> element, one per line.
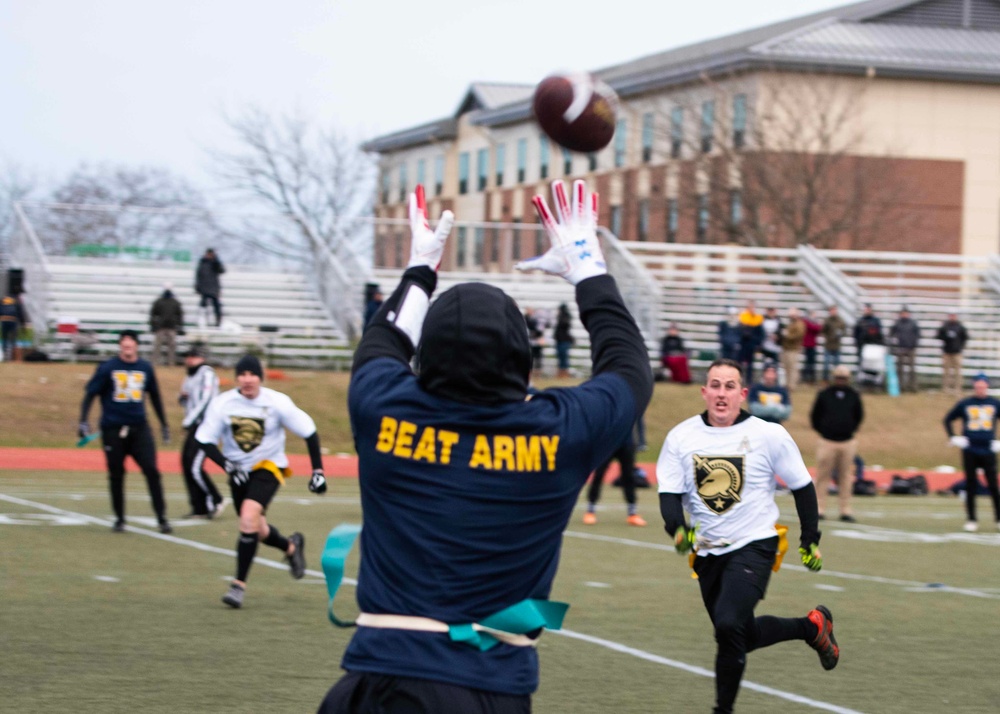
<point>608,644</point>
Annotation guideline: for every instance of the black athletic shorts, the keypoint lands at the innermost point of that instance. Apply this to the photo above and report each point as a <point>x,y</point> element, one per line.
<point>260,487</point>
<point>365,693</point>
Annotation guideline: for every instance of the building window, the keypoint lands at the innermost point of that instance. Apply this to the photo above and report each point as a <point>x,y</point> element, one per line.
<point>735,208</point>
<point>478,246</point>
<point>567,162</point>
<point>399,250</point>
<point>482,169</point>
<point>739,121</point>
<point>707,125</point>
<point>643,222</point>
<point>676,132</point>
<point>673,218</point>
<point>460,254</point>
<point>648,125</point>
<point>522,159</point>
<point>621,139</point>
<point>422,172</point>
<point>386,180</point>
<point>438,175</point>
<point>616,220</point>
<point>701,225</point>
<point>591,162</point>
<point>494,245</point>
<point>402,182</point>
<point>501,160</point>
<point>543,157</point>
<point>515,240</point>
<point>463,172</point>
<point>541,245</point>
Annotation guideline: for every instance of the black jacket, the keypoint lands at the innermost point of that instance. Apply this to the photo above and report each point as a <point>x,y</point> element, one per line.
<point>837,413</point>
<point>206,277</point>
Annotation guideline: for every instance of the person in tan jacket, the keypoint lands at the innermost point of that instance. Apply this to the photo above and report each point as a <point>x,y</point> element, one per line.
<point>791,347</point>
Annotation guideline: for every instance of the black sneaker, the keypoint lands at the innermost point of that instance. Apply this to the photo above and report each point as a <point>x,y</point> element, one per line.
<point>824,642</point>
<point>119,526</point>
<point>234,597</point>
<point>297,560</point>
<point>848,518</point>
<point>165,527</point>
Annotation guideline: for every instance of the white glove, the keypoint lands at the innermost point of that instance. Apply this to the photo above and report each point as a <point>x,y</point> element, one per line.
<point>238,476</point>
<point>575,253</point>
<point>962,442</point>
<point>995,446</point>
<point>426,246</point>
<point>317,484</point>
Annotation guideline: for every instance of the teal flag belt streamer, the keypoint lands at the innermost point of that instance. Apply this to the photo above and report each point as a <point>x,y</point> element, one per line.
<point>519,619</point>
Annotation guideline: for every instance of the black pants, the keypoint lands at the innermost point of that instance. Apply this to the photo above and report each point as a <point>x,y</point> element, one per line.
<point>731,586</point>
<point>202,493</point>
<point>363,693</point>
<point>988,463</point>
<point>135,441</point>
<point>214,300</point>
<point>626,459</point>
<point>8,330</point>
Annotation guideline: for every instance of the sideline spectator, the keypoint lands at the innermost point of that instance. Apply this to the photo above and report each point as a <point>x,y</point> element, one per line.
<point>11,321</point>
<point>953,336</point>
<point>767,399</point>
<point>979,445</point>
<point>809,342</point>
<point>792,338</point>
<point>751,337</point>
<point>868,331</point>
<point>905,335</point>
<point>770,348</point>
<point>207,284</point>
<point>166,321</point>
<point>729,335</point>
<point>536,337</point>
<point>371,307</point>
<point>122,383</point>
<point>834,330</point>
<point>836,415</point>
<point>564,339</point>
<point>674,357</point>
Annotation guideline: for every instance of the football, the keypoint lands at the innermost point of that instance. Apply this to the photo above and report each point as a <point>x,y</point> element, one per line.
<point>576,111</point>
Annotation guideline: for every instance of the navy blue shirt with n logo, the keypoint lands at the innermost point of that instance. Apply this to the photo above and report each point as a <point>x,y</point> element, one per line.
<point>122,387</point>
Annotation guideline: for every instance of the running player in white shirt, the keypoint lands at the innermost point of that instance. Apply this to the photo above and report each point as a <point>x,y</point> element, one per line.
<point>720,467</point>
<point>251,421</point>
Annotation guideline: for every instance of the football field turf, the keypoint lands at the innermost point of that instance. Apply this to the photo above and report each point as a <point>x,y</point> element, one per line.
<point>92,621</point>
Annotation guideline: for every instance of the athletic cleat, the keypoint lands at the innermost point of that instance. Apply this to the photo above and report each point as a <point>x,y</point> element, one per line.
<point>589,519</point>
<point>219,508</point>
<point>234,598</point>
<point>166,528</point>
<point>970,527</point>
<point>297,560</point>
<point>118,527</point>
<point>824,642</point>
<point>636,520</point>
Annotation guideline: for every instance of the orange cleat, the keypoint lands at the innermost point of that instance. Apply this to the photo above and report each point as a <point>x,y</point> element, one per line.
<point>589,519</point>
<point>636,520</point>
<point>824,642</point>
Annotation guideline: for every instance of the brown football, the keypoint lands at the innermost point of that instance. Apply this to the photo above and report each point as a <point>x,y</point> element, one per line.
<point>577,111</point>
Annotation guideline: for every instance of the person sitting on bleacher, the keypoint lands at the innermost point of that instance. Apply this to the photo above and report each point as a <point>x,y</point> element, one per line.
<point>767,399</point>
<point>674,357</point>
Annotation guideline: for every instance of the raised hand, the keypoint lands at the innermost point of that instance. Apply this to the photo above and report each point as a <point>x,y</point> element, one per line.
<point>575,253</point>
<point>426,246</point>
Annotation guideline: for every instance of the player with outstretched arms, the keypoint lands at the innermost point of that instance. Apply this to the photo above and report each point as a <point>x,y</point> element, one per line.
<point>251,421</point>
<point>467,482</point>
<point>720,467</point>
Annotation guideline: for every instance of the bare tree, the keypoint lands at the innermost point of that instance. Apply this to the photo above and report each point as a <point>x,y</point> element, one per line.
<point>318,178</point>
<point>791,168</point>
<point>16,184</point>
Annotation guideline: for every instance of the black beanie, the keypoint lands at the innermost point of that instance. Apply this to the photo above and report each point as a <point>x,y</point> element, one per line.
<point>249,363</point>
<point>474,347</point>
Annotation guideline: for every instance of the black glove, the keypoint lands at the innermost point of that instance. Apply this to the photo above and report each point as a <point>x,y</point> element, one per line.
<point>165,434</point>
<point>317,484</point>
<point>83,430</point>
<point>238,476</point>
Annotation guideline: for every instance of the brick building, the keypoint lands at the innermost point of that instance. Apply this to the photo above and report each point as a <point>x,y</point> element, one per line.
<point>875,125</point>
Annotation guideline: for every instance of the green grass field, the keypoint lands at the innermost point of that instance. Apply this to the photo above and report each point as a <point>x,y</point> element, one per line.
<point>92,621</point>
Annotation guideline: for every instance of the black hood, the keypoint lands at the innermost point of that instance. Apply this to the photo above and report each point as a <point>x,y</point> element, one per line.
<point>474,347</point>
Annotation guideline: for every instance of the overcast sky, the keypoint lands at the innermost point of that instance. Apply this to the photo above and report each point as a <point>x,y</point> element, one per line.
<point>147,82</point>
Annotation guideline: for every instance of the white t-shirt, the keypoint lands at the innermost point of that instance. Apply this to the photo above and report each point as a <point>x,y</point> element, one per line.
<point>253,430</point>
<point>726,476</point>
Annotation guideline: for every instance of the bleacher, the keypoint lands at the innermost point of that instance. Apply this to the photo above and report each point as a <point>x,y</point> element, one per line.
<point>277,314</point>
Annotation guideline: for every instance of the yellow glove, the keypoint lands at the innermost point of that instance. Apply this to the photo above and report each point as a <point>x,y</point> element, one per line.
<point>684,539</point>
<point>811,557</point>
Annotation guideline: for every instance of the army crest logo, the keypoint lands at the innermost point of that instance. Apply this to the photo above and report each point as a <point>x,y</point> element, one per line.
<point>247,432</point>
<point>720,481</point>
